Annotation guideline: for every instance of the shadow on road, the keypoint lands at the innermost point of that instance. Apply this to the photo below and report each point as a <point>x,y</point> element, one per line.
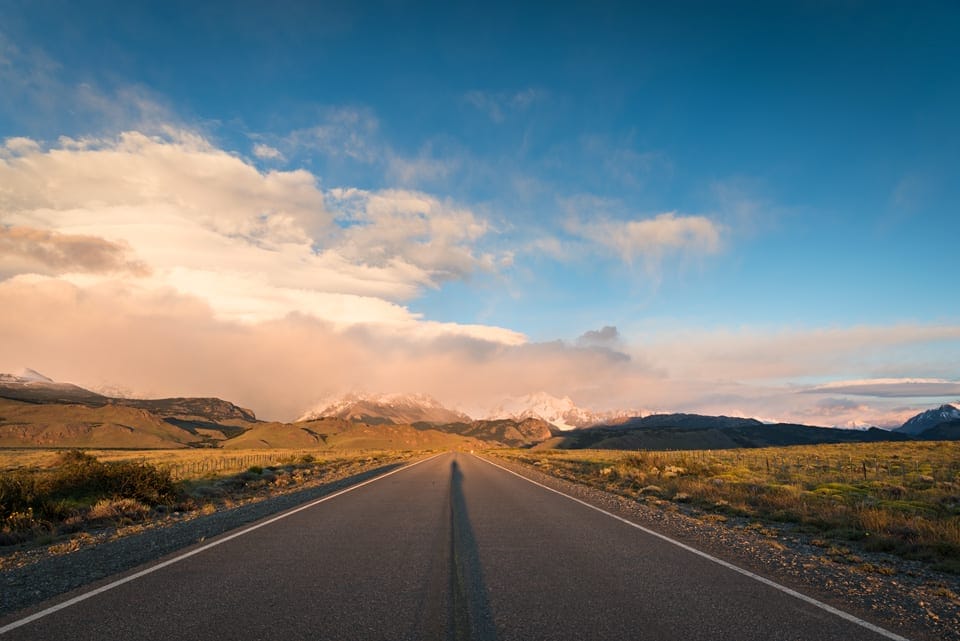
<point>470,610</point>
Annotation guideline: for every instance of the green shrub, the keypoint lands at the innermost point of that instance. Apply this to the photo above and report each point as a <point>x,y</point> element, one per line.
<point>78,486</point>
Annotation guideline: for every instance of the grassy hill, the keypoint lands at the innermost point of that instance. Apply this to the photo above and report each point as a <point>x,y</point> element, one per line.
<point>25,424</point>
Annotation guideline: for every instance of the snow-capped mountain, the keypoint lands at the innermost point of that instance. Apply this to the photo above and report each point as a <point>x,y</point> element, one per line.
<point>385,408</point>
<point>30,385</point>
<point>561,412</point>
<point>28,375</point>
<point>925,420</point>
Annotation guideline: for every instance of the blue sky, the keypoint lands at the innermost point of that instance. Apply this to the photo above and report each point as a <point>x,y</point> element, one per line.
<point>773,172</point>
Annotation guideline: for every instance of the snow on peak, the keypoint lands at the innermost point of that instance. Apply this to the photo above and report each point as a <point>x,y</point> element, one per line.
<point>33,376</point>
<point>561,412</point>
<point>397,407</point>
<point>26,376</point>
<point>930,418</point>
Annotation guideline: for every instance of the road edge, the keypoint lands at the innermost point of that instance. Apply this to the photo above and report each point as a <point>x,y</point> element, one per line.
<point>13,625</point>
<point>726,564</point>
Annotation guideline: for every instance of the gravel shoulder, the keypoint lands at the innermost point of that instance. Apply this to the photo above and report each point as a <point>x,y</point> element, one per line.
<point>902,596</point>
<point>32,575</point>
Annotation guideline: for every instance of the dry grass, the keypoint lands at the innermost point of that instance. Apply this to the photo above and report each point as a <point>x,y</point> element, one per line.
<point>183,464</point>
<point>48,494</point>
<point>902,498</point>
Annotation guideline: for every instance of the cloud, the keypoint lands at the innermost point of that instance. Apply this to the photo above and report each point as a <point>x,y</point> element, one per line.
<point>604,336</point>
<point>27,250</point>
<point>891,388</point>
<point>36,87</point>
<point>431,236</point>
<point>162,342</point>
<point>423,167</point>
<point>651,239</point>
<point>344,132</point>
<point>498,106</point>
<point>764,354</point>
<point>266,152</point>
<point>252,245</point>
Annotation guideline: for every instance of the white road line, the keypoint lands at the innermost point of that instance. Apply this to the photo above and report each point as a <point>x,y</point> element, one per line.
<point>92,593</point>
<point>773,584</point>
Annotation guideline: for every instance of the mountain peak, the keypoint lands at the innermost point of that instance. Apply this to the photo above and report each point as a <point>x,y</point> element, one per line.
<point>33,376</point>
<point>559,411</point>
<point>930,418</point>
<point>397,408</point>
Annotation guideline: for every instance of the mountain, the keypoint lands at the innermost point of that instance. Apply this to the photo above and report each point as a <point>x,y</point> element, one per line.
<point>931,418</point>
<point>33,387</point>
<point>52,424</point>
<point>696,432</point>
<point>946,431</point>
<point>510,432</point>
<point>375,409</point>
<point>36,411</point>
<point>562,413</point>
<point>684,421</point>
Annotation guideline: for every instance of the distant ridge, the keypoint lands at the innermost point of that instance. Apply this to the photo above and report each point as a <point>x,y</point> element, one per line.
<point>698,432</point>
<point>561,412</point>
<point>397,409</point>
<point>36,411</point>
<point>924,421</point>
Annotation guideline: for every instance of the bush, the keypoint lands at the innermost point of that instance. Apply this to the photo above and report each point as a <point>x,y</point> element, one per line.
<point>116,509</point>
<point>80,486</point>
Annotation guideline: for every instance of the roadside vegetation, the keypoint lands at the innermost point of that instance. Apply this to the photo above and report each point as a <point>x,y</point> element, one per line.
<point>899,498</point>
<point>51,496</point>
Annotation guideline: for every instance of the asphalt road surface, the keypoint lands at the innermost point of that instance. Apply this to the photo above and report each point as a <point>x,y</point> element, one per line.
<point>450,548</point>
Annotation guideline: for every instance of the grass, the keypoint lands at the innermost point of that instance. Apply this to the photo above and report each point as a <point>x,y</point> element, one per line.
<point>46,495</point>
<point>78,489</point>
<point>901,498</point>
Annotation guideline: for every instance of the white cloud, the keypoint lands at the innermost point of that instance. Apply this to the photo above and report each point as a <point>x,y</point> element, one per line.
<point>651,239</point>
<point>423,167</point>
<point>346,132</point>
<point>266,152</point>
<point>252,245</point>
<point>433,238</point>
<point>19,145</point>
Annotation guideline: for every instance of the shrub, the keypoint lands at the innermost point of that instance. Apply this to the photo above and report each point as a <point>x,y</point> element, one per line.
<point>80,486</point>
<point>116,509</point>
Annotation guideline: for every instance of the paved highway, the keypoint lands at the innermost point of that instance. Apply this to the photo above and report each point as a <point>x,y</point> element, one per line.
<point>450,548</point>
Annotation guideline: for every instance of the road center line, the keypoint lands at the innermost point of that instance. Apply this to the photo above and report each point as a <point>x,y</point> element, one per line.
<point>104,588</point>
<point>773,584</point>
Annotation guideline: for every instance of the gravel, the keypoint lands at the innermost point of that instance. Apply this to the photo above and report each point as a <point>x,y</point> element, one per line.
<point>33,576</point>
<point>902,596</point>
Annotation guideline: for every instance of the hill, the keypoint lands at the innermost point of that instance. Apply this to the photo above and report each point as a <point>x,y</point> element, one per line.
<point>695,432</point>
<point>508,432</point>
<point>24,424</point>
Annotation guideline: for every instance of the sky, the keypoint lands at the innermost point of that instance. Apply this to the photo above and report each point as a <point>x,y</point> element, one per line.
<point>745,208</point>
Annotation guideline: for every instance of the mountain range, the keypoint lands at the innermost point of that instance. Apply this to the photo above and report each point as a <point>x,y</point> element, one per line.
<point>36,411</point>
<point>561,412</point>
<point>924,421</point>
<point>375,409</point>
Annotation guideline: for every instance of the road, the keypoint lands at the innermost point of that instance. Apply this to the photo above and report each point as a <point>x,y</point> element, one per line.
<point>450,548</point>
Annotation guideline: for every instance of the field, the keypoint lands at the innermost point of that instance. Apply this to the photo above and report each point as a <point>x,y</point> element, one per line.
<point>900,498</point>
<point>183,464</point>
<point>53,495</point>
